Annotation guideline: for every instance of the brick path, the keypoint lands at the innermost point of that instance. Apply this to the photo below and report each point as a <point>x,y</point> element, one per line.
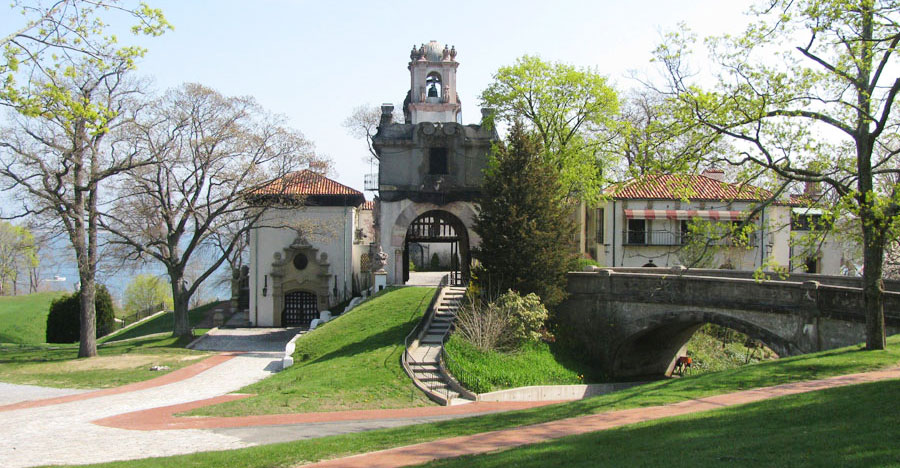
<point>515,437</point>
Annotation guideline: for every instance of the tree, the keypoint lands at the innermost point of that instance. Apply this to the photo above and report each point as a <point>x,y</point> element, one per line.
<point>191,208</point>
<point>74,93</point>
<point>568,108</point>
<point>523,221</point>
<point>653,139</point>
<point>806,94</point>
<point>145,291</point>
<point>18,253</point>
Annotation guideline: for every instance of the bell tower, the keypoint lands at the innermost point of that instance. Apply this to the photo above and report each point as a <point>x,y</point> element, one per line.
<point>432,92</point>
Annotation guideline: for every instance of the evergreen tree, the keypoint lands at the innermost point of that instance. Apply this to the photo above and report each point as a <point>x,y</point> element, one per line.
<point>526,227</point>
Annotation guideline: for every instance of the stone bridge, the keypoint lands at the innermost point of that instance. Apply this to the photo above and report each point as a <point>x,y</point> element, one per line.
<point>636,321</point>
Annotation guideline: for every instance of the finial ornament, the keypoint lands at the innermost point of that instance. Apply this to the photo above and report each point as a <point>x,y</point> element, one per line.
<point>453,53</point>
<point>445,55</point>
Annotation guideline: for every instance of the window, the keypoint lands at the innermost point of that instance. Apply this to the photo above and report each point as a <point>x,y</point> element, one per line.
<point>437,161</point>
<point>637,231</point>
<point>685,231</point>
<point>600,220</point>
<point>807,222</point>
<point>812,265</point>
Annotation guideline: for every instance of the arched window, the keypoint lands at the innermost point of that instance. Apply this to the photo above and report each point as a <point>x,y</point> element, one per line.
<point>433,87</point>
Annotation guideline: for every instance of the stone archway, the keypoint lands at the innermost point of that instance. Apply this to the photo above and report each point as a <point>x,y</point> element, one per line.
<point>658,341</point>
<point>394,245</point>
<point>439,226</point>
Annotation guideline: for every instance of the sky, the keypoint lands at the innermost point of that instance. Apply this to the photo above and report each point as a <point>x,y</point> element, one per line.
<point>315,61</point>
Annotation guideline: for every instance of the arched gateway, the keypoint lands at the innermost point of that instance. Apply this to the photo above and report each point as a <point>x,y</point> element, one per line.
<point>440,227</point>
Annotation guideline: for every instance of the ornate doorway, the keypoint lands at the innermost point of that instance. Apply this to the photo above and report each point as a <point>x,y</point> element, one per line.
<point>437,226</point>
<point>300,308</point>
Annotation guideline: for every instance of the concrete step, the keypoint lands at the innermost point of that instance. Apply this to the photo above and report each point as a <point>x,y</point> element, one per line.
<point>433,339</point>
<point>433,368</point>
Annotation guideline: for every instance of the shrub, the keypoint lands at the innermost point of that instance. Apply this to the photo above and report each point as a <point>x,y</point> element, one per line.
<point>504,324</point>
<point>64,319</point>
<point>526,316</point>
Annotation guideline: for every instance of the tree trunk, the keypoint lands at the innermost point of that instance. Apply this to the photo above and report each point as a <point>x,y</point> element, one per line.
<point>873,286</point>
<point>181,298</point>
<point>87,346</point>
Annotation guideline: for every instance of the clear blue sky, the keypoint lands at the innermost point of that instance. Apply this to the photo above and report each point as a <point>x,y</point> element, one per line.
<point>314,61</point>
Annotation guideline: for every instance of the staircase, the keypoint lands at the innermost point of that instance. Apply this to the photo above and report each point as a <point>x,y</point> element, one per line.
<point>423,356</point>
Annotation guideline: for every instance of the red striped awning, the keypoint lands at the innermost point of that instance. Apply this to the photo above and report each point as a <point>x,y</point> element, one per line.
<point>685,214</point>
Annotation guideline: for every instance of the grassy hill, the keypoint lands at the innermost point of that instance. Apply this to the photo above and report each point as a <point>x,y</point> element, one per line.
<point>849,426</point>
<point>23,319</point>
<point>352,362</point>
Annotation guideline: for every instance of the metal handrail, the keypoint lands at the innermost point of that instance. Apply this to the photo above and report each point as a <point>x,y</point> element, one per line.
<point>407,359</point>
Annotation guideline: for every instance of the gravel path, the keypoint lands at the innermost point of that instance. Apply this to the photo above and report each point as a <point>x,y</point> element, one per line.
<point>14,393</point>
<point>64,433</point>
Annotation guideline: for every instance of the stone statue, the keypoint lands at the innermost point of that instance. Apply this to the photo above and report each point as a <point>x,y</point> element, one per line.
<point>379,260</point>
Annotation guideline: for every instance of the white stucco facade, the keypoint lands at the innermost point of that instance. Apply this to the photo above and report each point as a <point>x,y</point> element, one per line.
<point>329,241</point>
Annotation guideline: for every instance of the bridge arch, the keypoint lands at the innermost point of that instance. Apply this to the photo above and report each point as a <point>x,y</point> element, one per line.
<point>650,345</point>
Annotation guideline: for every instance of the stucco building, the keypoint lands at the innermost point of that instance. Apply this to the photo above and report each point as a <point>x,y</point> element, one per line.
<point>647,222</point>
<point>309,250</point>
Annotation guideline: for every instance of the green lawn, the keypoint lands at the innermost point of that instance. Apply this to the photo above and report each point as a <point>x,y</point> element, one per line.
<point>352,362</point>
<point>798,368</point>
<point>535,364</point>
<point>117,363</point>
<point>851,426</point>
<point>162,323</point>
<point>23,319</point>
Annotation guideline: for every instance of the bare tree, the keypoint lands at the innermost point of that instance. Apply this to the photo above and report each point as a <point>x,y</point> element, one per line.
<point>211,154</point>
<point>65,80</point>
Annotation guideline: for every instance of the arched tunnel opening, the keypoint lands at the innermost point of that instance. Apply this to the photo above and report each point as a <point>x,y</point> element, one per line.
<point>711,345</point>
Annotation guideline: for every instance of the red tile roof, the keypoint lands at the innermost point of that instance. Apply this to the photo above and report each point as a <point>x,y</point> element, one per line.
<point>369,205</point>
<point>306,183</point>
<point>691,187</point>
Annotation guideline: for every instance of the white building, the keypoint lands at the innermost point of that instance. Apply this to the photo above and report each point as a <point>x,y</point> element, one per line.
<point>647,222</point>
<point>309,250</point>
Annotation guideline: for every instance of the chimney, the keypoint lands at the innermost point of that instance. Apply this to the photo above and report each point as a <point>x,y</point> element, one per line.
<point>387,114</point>
<point>812,190</point>
<point>715,174</point>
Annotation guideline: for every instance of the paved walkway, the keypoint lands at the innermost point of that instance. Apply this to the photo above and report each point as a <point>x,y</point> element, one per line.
<point>426,278</point>
<point>14,393</point>
<point>246,339</point>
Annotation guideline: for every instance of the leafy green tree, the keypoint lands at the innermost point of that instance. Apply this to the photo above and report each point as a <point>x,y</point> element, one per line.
<point>18,252</point>
<point>525,225</point>
<point>145,291</point>
<point>806,94</point>
<point>65,77</point>
<point>568,108</point>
